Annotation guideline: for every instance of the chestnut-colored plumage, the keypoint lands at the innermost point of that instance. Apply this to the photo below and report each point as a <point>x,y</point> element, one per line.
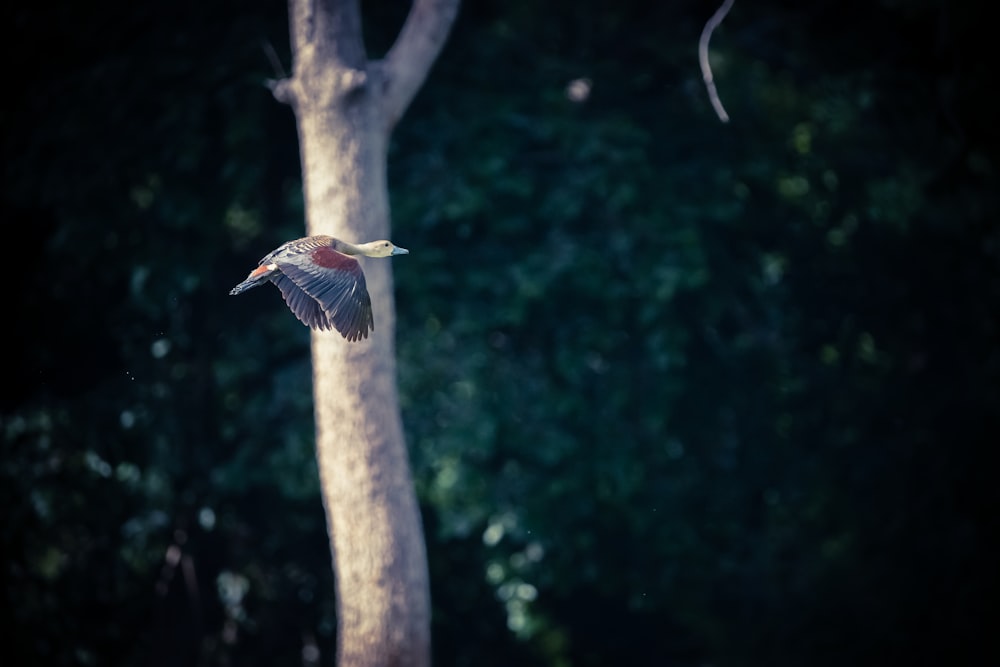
<point>322,283</point>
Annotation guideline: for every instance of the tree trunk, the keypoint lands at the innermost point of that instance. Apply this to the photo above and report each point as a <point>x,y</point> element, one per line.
<point>346,107</point>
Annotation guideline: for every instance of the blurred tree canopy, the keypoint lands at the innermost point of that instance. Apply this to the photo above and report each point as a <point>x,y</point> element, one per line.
<point>676,392</point>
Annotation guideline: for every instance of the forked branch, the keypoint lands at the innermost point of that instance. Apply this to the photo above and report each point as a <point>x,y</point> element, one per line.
<point>409,60</point>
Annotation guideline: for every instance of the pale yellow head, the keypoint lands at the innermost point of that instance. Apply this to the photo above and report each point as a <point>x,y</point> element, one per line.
<point>381,248</point>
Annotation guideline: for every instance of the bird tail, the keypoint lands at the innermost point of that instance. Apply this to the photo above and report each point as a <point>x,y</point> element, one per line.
<point>252,280</point>
<point>259,275</point>
<point>245,285</point>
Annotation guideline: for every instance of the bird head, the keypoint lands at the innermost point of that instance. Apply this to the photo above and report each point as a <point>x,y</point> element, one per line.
<point>381,249</point>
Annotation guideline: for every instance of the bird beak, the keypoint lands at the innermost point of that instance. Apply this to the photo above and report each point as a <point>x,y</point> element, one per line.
<point>400,251</point>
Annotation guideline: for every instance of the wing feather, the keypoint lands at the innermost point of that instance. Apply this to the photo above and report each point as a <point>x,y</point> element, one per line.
<point>306,308</point>
<point>336,286</point>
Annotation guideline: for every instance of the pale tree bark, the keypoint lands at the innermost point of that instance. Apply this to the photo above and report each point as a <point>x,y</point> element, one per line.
<point>346,106</point>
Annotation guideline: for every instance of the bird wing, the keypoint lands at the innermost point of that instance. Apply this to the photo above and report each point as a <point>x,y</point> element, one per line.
<point>306,308</point>
<point>336,283</point>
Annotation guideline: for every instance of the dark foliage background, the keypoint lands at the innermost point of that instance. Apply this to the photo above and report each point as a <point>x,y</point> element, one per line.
<point>676,392</point>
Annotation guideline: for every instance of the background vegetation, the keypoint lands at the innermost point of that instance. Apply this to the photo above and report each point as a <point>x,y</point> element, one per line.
<point>676,392</point>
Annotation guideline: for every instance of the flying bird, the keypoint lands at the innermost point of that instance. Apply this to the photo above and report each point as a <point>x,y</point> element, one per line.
<point>322,282</point>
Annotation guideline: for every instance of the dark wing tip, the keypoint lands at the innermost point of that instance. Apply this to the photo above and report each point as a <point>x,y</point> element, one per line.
<point>353,319</point>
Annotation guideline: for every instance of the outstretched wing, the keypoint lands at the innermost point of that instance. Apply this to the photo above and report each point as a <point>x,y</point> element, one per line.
<point>306,308</point>
<point>337,286</point>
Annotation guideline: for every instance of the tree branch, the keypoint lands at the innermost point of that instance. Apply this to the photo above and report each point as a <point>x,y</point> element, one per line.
<point>706,68</point>
<point>408,61</point>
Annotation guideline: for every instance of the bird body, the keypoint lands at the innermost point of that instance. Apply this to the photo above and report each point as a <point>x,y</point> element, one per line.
<point>322,282</point>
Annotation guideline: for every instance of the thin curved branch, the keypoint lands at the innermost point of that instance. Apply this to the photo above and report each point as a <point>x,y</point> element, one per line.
<point>409,60</point>
<point>706,68</point>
